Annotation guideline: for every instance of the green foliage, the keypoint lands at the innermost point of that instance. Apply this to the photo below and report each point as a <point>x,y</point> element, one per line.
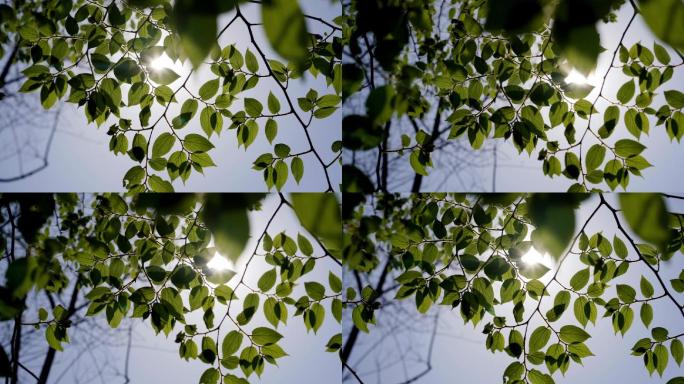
<point>466,252</point>
<point>101,57</point>
<point>498,71</point>
<point>145,258</point>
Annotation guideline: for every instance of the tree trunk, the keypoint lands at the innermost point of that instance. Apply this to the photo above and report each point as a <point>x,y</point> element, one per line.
<point>8,64</point>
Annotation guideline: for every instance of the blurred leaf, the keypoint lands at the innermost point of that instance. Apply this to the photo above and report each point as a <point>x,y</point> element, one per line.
<point>319,213</point>
<point>646,214</point>
<point>285,29</point>
<point>666,20</point>
<point>225,215</point>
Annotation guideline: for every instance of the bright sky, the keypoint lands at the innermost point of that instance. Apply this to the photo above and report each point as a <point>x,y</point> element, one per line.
<point>80,159</point>
<point>460,352</point>
<point>154,358</point>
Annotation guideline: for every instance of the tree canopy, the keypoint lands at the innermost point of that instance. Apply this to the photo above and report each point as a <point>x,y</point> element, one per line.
<point>436,72</point>
<point>100,55</point>
<point>467,252</point>
<point>147,258</point>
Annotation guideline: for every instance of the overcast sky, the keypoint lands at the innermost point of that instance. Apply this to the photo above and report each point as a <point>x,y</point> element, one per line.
<point>80,159</point>
<point>460,355</point>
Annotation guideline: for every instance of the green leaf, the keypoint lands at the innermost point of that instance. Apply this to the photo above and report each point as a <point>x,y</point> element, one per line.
<point>197,143</point>
<point>581,44</point>
<point>273,103</point>
<point>285,28</point>
<point>231,343</point>
<point>304,245</point>
<point>281,150</point>
<point>210,376</point>
<point>595,156</point>
<point>251,61</point>
<point>271,130</point>
<point>208,354</point>
<point>197,29</point>
<point>580,279</point>
<point>646,314</point>
<point>675,98</point>
<point>539,338</point>
<point>572,334</point>
<point>626,92</point>
<point>126,69</point>
<point>646,287</point>
<point>163,76</point>
<point>514,16</point>
<point>157,184</point>
<point>210,121</point>
<point>626,293</point>
<point>335,282</point>
<point>379,104</point>
<point>360,133</point>
<point>267,280</point>
<point>226,217</point>
<point>619,247</point>
<point>584,310</point>
<point>670,29</point>
<point>677,351</point>
<point>297,167</point>
<point>54,336</point>
<point>417,164</point>
<point>628,148</point>
<point>315,290</point>
<point>280,172</point>
<point>265,336</point>
<point>659,333</point>
<point>661,357</point>
<point>209,89</point>
<point>182,276</point>
<point>100,62</point>
<point>553,215</point>
<point>647,216</point>
<point>533,271</point>
<point>253,107</point>
<point>537,377</point>
<point>163,144</point>
<point>320,215</point>
<point>661,53</point>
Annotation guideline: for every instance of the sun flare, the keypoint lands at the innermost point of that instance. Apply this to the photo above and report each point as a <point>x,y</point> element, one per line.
<point>219,263</point>
<point>534,257</point>
<point>575,77</point>
<point>161,62</point>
